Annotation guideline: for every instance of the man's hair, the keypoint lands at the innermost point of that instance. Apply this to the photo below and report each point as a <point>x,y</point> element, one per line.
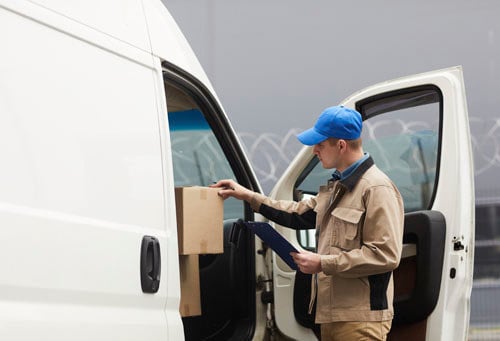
<point>353,144</point>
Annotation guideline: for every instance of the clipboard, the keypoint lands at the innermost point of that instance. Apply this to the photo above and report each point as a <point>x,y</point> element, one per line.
<point>275,240</point>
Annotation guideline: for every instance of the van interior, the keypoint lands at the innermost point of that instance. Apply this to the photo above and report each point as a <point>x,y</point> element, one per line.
<point>227,280</point>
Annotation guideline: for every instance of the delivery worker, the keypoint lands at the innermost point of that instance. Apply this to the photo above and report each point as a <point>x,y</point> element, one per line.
<point>358,217</point>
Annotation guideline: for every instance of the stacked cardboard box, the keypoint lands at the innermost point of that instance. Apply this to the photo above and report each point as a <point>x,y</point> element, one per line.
<point>200,214</point>
<point>190,285</point>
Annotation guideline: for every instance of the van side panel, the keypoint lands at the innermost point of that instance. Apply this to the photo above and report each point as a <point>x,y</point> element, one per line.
<point>121,19</point>
<point>81,183</point>
<point>168,42</point>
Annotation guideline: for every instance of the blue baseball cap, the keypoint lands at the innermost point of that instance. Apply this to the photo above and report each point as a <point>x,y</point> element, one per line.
<point>338,122</point>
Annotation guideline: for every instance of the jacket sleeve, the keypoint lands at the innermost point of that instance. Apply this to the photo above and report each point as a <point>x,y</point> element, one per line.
<point>382,237</point>
<point>297,215</point>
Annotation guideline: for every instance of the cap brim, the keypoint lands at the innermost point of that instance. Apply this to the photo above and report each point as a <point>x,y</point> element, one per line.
<point>311,137</point>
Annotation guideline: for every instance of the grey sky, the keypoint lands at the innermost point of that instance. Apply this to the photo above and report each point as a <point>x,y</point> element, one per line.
<point>277,64</point>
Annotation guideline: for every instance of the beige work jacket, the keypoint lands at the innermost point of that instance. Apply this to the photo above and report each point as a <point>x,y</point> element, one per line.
<point>359,224</point>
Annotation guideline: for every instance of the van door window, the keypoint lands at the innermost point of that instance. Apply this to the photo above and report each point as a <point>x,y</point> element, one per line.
<point>401,132</point>
<point>197,156</point>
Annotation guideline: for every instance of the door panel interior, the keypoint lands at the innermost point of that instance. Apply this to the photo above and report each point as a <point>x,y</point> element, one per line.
<point>427,230</point>
<point>301,298</point>
<point>417,280</point>
<point>224,283</point>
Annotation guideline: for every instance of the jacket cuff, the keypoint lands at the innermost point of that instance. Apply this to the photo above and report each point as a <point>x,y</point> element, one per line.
<point>256,201</point>
<point>328,264</point>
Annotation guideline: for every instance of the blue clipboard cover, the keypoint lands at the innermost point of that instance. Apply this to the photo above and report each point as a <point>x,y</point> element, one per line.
<point>275,240</point>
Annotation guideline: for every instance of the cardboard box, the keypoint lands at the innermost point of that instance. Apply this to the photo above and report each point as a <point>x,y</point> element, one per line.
<point>200,214</point>
<point>190,304</point>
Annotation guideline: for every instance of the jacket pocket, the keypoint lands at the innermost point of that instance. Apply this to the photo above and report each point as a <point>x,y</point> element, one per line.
<point>348,227</point>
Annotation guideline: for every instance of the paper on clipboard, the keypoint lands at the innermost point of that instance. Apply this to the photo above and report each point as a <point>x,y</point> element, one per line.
<point>275,240</point>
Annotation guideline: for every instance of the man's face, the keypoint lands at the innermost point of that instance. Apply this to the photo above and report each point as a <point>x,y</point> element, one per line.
<point>328,153</point>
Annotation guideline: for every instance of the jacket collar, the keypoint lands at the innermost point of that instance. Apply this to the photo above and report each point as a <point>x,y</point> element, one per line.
<point>351,181</point>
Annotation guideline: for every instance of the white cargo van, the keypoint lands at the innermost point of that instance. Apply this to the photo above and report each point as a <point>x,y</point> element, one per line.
<point>104,109</point>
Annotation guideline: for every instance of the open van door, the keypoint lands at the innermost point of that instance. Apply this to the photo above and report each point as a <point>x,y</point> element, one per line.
<point>416,129</point>
<point>203,149</point>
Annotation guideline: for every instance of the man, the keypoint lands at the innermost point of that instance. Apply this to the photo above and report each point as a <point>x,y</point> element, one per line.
<point>358,218</point>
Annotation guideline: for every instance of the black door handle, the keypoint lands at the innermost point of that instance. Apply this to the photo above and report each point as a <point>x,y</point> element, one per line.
<point>150,264</point>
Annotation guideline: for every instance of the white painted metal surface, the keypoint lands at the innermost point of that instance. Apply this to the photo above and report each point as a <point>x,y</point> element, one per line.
<point>82,175</point>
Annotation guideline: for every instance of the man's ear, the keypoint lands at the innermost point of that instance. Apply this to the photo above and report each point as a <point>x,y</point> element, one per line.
<point>342,144</point>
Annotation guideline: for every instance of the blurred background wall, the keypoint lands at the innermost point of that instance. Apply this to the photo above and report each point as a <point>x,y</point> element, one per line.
<point>277,64</point>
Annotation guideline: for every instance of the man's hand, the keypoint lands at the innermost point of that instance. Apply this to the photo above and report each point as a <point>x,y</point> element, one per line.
<point>230,188</point>
<point>307,262</point>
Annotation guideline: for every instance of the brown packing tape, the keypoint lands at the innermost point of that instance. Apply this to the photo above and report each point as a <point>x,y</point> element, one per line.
<point>203,194</point>
<point>185,309</point>
<point>203,246</point>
